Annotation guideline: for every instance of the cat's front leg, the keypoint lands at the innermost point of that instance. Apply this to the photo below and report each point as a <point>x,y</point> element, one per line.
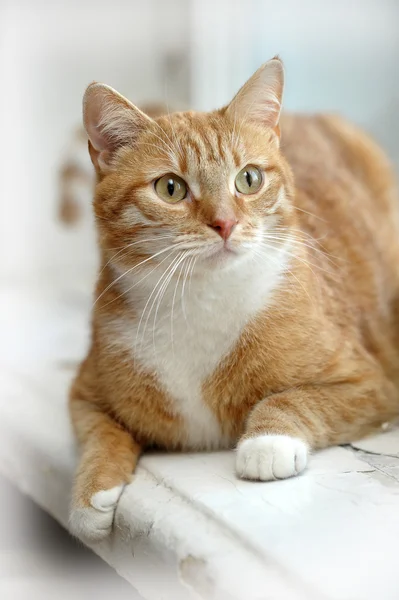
<point>282,429</point>
<point>108,458</point>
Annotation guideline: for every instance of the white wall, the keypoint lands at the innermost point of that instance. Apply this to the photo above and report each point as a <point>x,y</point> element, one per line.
<point>339,55</point>
<point>50,51</point>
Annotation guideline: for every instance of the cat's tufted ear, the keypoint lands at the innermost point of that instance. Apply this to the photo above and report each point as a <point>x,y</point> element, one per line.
<point>111,122</point>
<point>259,100</point>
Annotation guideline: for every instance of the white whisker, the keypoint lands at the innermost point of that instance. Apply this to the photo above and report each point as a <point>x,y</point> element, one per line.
<point>294,240</point>
<point>185,254</point>
<point>142,279</point>
<point>153,239</point>
<point>133,269</point>
<point>305,262</point>
<point>310,214</point>
<point>159,297</point>
<point>269,258</point>
<point>183,304</point>
<point>191,274</point>
<point>154,290</point>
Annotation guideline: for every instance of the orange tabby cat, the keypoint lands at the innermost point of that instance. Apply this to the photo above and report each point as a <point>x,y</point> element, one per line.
<point>249,291</point>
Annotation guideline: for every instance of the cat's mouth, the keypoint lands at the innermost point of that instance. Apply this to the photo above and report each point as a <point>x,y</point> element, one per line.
<point>222,252</point>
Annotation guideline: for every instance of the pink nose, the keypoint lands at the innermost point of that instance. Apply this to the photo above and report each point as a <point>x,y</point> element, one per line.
<point>223,227</point>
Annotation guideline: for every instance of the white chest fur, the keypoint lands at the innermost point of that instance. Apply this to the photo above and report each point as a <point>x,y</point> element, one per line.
<point>184,346</point>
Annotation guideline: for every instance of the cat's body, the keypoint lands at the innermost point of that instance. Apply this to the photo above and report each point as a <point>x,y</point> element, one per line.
<point>205,328</point>
<point>284,334</point>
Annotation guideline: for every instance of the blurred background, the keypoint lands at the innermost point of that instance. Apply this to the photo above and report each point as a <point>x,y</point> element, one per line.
<point>339,55</point>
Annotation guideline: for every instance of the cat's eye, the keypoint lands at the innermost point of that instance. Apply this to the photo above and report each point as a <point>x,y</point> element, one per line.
<point>171,188</point>
<point>248,180</point>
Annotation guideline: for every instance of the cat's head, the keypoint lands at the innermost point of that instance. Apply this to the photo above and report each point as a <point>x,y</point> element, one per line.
<point>210,185</point>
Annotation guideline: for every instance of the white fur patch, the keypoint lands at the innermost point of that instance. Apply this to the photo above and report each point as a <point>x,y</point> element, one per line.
<point>94,523</point>
<point>183,346</point>
<point>268,457</point>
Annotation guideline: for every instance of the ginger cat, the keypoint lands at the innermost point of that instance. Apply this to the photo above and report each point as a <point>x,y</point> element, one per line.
<point>249,290</point>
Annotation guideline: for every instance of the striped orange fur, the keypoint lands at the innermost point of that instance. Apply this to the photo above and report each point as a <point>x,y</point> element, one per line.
<point>267,319</point>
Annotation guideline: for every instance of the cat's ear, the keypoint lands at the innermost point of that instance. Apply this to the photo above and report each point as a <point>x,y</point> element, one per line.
<point>111,122</point>
<point>259,100</point>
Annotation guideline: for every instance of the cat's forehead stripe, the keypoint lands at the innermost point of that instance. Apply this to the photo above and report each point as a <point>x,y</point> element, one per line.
<point>208,144</point>
<point>220,145</point>
<point>205,148</point>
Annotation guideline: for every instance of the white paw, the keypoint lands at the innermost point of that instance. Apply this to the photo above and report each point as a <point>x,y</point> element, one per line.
<point>94,523</point>
<point>267,457</point>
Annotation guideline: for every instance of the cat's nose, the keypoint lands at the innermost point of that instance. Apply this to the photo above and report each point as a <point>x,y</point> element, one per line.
<point>224,227</point>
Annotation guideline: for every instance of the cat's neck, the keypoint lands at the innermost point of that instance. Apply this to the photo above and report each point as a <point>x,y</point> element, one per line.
<point>248,280</point>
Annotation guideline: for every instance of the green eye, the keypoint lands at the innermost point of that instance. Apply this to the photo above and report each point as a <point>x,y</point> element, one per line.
<point>248,180</point>
<point>171,188</point>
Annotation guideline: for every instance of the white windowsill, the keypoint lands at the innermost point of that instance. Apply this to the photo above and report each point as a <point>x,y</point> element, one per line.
<point>186,527</point>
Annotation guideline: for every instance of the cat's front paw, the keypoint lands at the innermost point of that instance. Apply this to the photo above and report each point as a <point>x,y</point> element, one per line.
<point>94,523</point>
<point>268,457</point>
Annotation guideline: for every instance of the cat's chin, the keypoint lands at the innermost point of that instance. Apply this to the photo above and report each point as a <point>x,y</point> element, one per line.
<point>223,256</point>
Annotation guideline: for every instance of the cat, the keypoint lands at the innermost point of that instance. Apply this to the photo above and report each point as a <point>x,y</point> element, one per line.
<point>248,295</point>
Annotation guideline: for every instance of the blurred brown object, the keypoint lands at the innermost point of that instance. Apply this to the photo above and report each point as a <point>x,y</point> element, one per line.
<point>76,171</point>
